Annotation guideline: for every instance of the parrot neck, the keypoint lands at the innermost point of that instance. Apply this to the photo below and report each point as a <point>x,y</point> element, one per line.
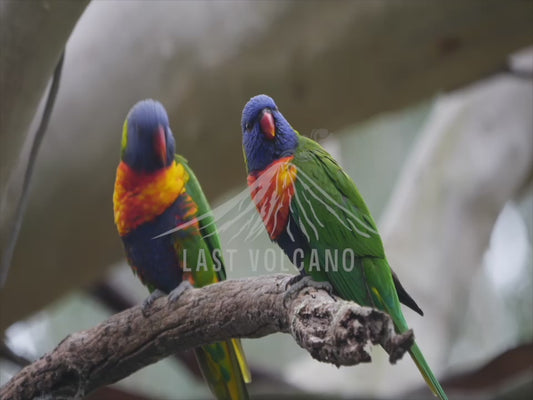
<point>272,191</point>
<point>139,197</point>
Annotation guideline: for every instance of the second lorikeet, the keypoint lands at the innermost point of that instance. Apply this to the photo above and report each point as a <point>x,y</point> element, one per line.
<point>312,209</point>
<point>155,191</point>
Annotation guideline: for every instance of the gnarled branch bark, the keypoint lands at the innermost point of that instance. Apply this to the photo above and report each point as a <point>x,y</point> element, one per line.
<point>331,329</point>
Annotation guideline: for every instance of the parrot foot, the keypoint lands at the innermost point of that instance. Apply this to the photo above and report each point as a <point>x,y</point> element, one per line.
<point>294,280</point>
<point>147,303</point>
<point>178,291</point>
<point>296,285</point>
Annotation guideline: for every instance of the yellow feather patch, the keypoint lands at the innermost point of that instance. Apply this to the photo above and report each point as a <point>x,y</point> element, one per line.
<point>243,365</point>
<point>124,143</point>
<point>286,175</point>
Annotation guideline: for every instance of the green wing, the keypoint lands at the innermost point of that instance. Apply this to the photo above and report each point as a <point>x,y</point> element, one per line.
<point>331,212</point>
<point>338,201</point>
<point>208,228</point>
<point>223,363</point>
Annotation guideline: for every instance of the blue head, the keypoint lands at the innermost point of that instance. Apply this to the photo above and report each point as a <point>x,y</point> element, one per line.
<point>147,141</point>
<point>266,134</point>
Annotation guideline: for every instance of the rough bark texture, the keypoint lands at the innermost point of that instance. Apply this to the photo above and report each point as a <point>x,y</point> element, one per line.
<point>331,329</point>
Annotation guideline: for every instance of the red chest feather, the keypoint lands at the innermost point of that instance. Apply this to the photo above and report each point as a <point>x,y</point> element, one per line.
<point>140,197</point>
<point>272,191</point>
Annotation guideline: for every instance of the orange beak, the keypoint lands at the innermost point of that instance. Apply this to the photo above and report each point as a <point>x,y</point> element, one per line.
<point>160,145</point>
<point>267,124</point>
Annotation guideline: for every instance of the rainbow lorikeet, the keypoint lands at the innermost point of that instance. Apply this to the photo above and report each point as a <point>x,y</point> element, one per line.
<point>155,191</point>
<point>312,209</point>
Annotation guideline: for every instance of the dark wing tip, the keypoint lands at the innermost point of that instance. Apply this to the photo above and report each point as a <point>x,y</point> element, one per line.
<point>404,297</point>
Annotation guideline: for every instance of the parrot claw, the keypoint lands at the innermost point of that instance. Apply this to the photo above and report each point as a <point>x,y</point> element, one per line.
<point>147,303</point>
<point>178,291</point>
<point>298,283</point>
<point>294,280</point>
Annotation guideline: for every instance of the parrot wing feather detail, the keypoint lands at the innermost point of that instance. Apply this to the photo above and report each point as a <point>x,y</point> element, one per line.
<point>328,202</point>
<point>205,218</point>
<point>330,196</point>
<point>330,212</point>
<point>208,230</point>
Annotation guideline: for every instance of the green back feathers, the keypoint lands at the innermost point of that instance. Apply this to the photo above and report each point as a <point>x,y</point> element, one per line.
<point>206,220</point>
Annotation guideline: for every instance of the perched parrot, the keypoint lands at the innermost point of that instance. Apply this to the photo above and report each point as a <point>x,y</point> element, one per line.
<point>312,209</point>
<point>155,191</point>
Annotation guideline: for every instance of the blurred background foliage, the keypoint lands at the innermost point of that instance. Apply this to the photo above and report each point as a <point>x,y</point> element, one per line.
<point>427,106</point>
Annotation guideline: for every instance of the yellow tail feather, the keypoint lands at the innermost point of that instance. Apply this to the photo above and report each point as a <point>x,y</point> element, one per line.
<point>221,369</point>
<point>241,359</point>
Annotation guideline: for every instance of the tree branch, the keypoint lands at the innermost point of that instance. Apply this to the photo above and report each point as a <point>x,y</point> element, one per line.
<point>331,329</point>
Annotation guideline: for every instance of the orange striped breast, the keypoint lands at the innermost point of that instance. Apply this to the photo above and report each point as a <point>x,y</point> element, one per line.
<point>139,197</point>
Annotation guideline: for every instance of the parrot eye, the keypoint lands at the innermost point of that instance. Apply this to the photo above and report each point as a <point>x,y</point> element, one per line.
<point>248,126</point>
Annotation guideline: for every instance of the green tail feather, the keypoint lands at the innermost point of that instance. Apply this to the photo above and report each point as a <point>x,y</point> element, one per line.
<point>220,366</point>
<point>418,357</point>
<point>391,305</point>
<point>426,372</point>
